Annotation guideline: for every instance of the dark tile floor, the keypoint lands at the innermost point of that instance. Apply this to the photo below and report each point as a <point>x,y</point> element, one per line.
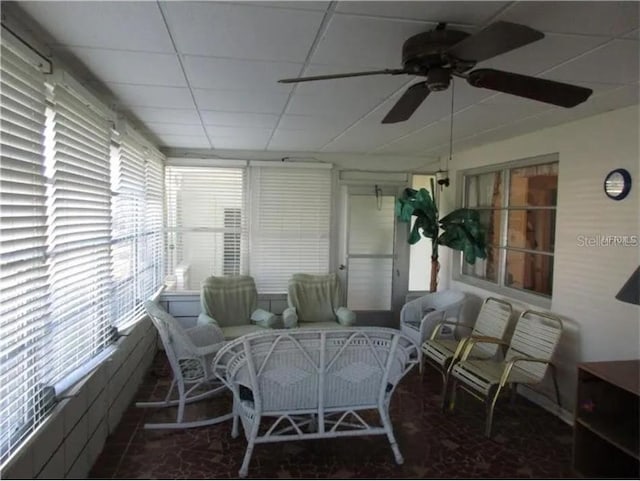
<point>528,442</point>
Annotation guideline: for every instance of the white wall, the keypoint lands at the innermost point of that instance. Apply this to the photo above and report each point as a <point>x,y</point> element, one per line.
<point>598,327</point>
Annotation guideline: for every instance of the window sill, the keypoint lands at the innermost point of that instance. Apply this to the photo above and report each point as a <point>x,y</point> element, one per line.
<point>542,302</point>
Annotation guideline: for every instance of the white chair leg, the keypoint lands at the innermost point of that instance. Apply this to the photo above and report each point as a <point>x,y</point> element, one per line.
<point>386,422</point>
<point>234,429</point>
<point>244,469</point>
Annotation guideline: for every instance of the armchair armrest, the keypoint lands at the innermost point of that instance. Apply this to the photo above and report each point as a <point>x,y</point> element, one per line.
<point>290,317</point>
<point>438,327</point>
<point>207,339</point>
<point>345,316</point>
<point>205,320</point>
<point>470,342</point>
<point>264,318</point>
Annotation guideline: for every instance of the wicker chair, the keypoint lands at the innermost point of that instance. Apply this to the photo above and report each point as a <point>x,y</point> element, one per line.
<point>492,321</point>
<point>231,303</point>
<point>419,316</point>
<point>315,301</point>
<point>314,383</point>
<point>190,352</point>
<point>532,346</point>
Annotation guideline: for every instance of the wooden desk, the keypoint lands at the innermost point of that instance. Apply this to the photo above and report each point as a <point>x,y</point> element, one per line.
<point>606,439</point>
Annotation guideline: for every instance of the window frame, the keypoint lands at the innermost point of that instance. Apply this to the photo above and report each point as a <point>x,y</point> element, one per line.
<point>500,287</point>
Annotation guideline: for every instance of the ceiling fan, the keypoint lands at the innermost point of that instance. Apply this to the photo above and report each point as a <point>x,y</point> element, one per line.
<point>442,53</point>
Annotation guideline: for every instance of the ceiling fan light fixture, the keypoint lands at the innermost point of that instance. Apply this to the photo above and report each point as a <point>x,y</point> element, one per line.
<point>438,79</point>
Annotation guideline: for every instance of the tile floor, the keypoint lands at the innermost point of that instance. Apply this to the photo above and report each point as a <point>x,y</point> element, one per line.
<point>528,442</point>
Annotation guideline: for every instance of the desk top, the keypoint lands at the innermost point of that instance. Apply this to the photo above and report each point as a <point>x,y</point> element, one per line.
<point>624,374</point>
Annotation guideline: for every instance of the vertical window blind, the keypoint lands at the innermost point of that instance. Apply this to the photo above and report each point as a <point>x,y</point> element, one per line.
<point>290,224</point>
<point>78,208</point>
<point>206,228</point>
<point>24,301</point>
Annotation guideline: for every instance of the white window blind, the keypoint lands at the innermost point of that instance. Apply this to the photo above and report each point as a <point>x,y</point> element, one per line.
<point>23,276</point>
<point>206,233</point>
<point>152,256</point>
<point>77,160</point>
<point>128,210</point>
<point>290,224</point>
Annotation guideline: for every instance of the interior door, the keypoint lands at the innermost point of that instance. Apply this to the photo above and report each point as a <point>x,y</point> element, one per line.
<point>370,254</point>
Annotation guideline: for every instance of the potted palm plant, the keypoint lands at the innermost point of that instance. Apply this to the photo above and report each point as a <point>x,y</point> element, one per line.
<point>460,230</point>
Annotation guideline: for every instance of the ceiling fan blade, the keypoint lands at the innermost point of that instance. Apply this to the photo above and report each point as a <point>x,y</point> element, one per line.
<point>542,90</point>
<point>387,71</point>
<point>407,104</point>
<point>497,38</point>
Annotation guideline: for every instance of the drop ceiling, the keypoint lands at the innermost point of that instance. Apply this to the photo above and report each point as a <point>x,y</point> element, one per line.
<point>203,75</point>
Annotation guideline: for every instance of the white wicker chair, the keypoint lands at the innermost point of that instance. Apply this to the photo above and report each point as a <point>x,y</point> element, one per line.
<point>532,346</point>
<point>419,317</point>
<point>190,352</point>
<point>314,383</point>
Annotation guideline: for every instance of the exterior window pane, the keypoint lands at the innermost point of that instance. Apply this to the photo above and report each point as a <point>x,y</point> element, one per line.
<point>531,272</point>
<point>532,229</point>
<point>522,223</point>
<point>484,190</point>
<point>486,269</point>
<point>536,185</point>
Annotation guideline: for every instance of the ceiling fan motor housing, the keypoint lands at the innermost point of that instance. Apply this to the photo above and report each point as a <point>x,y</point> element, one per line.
<point>427,50</point>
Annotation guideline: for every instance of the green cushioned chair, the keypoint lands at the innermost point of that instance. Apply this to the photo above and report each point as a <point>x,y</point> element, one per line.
<point>231,303</point>
<point>314,302</point>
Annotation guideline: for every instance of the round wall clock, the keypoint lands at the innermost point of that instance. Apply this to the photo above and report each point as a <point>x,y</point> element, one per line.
<point>617,184</point>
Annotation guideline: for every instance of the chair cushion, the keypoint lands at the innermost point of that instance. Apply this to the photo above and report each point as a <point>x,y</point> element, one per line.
<point>230,300</point>
<point>322,325</point>
<point>233,332</point>
<point>314,296</point>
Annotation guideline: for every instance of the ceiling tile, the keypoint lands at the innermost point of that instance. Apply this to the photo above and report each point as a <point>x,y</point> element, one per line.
<point>115,25</point>
<point>358,41</point>
<point>184,141</point>
<point>240,101</point>
<point>141,68</point>
<point>152,96</point>
<point>299,140</point>
<point>234,119</point>
<point>242,31</point>
<point>417,142</point>
<point>175,129</point>
<point>616,62</point>
<point>543,54</point>
<point>160,115</point>
<point>470,13</point>
<point>232,74</point>
<point>240,142</point>
<point>312,123</point>
<point>219,131</point>
<point>586,18</point>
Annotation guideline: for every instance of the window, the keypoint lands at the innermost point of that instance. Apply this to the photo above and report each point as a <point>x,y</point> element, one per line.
<point>78,244</point>
<point>136,182</point>
<point>517,206</point>
<point>206,233</point>
<point>24,295</point>
<point>290,224</point>
<point>65,239</point>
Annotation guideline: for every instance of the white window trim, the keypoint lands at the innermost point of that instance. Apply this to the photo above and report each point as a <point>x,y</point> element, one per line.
<point>498,288</point>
